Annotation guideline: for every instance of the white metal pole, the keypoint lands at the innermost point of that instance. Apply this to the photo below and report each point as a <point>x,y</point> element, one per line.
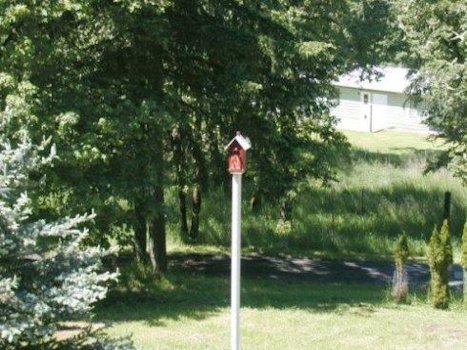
<point>235,272</point>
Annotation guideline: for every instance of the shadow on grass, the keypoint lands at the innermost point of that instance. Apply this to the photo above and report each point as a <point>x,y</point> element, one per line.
<point>399,157</point>
<point>362,216</point>
<point>381,195</point>
<point>362,222</point>
<point>390,210</point>
<point>196,296</point>
<point>198,287</point>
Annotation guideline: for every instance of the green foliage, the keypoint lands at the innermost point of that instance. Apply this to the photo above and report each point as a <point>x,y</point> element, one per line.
<point>401,252</point>
<point>142,95</point>
<point>440,258</point>
<point>47,276</point>
<point>436,32</point>
<point>464,248</point>
<point>397,197</point>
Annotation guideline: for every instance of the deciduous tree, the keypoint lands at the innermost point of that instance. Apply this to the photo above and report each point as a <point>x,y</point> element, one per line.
<point>436,32</point>
<point>139,95</point>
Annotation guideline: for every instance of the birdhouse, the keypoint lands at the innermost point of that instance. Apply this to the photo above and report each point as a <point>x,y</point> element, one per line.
<point>236,154</point>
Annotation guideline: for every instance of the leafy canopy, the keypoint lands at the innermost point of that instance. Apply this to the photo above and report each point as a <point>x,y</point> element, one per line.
<point>436,32</point>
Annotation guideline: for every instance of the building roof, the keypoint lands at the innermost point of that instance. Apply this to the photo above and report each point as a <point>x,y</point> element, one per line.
<point>393,79</point>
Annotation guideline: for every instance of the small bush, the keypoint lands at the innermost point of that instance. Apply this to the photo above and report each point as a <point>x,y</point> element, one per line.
<point>401,253</point>
<point>400,288</point>
<point>440,257</point>
<point>464,248</point>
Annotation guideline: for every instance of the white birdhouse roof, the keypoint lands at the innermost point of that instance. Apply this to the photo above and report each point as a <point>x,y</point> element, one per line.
<point>243,141</point>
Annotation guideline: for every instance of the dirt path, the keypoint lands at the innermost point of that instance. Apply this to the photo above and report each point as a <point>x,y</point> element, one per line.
<point>309,269</point>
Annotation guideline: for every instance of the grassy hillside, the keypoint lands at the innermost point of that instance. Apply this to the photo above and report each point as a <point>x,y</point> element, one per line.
<point>381,193</point>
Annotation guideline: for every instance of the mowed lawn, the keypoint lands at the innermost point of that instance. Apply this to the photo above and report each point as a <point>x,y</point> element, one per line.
<point>191,312</point>
<point>382,192</point>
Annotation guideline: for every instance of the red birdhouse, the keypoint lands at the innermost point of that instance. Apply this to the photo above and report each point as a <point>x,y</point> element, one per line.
<point>236,154</point>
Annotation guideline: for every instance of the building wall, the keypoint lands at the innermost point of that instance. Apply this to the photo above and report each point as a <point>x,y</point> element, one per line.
<point>348,110</point>
<point>403,115</point>
<point>397,114</point>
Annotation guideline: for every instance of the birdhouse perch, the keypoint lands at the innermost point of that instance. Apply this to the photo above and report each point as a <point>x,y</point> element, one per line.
<point>236,153</point>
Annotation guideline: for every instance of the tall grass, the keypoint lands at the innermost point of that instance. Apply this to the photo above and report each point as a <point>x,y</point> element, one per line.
<point>381,193</point>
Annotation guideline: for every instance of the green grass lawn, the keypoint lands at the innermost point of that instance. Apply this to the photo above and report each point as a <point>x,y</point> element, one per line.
<point>381,193</point>
<point>188,311</point>
<point>389,141</point>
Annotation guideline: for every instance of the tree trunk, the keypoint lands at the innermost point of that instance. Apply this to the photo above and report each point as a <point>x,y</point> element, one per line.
<point>226,180</point>
<point>201,182</point>
<point>178,135</point>
<point>219,162</point>
<point>201,173</point>
<point>183,215</point>
<point>256,202</point>
<point>285,211</point>
<point>157,237</point>
<point>195,212</point>
<point>157,231</point>
<point>400,284</point>
<point>140,237</point>
<point>148,54</point>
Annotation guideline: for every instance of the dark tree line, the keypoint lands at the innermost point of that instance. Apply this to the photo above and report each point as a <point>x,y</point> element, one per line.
<point>140,95</point>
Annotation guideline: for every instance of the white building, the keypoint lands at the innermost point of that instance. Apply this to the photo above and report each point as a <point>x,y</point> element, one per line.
<point>377,105</point>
